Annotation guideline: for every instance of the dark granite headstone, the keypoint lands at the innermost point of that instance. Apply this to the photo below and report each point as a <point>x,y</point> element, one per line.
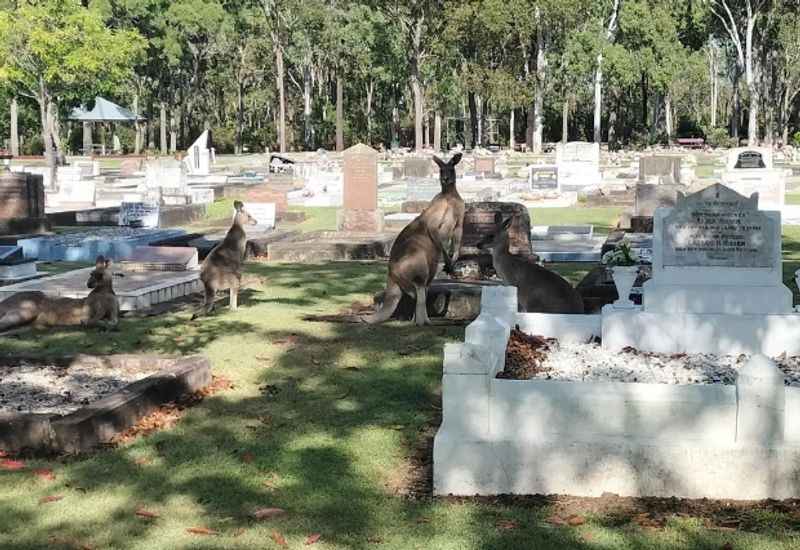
<point>750,160</point>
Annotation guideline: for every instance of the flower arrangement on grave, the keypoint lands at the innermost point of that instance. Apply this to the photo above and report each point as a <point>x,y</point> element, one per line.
<point>621,255</point>
<point>624,263</point>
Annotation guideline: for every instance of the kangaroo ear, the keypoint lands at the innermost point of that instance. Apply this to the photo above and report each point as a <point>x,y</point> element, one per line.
<point>108,263</point>
<point>455,160</point>
<point>498,218</point>
<point>507,223</point>
<point>439,161</point>
<point>238,205</point>
<point>100,261</point>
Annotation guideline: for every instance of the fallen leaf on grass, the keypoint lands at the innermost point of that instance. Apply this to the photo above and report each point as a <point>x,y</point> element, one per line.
<point>575,520</point>
<point>507,524</point>
<point>201,531</point>
<point>44,473</point>
<point>268,513</point>
<point>375,540</point>
<point>11,465</point>
<point>142,513</point>
<point>423,520</point>
<point>312,539</point>
<point>142,461</point>
<point>50,498</point>
<point>555,520</point>
<point>279,539</point>
<point>248,457</point>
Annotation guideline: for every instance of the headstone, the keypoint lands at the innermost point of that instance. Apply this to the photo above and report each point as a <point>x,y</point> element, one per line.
<point>129,167</point>
<point>543,177</point>
<point>648,197</point>
<point>161,258</point>
<point>138,214</point>
<point>660,166</point>
<point>716,252</point>
<point>480,220</point>
<point>201,195</point>
<point>22,196</point>
<point>360,195</point>
<point>263,213</point>
<point>417,167</point>
<point>578,165</point>
<point>751,170</point>
<point>200,156</point>
<point>268,193</point>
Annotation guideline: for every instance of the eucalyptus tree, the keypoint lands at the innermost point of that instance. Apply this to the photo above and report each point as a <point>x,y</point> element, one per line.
<point>60,52</point>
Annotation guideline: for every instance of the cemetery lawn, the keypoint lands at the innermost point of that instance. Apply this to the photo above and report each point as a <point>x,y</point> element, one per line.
<point>331,423</point>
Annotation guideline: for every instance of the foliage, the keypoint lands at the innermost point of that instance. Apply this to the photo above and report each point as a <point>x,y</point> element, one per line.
<point>718,137</point>
<point>796,139</point>
<point>622,255</point>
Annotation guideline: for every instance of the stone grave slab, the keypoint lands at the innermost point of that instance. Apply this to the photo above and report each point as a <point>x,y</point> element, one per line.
<point>648,197</point>
<point>135,290</point>
<point>417,167</point>
<point>11,254</point>
<point>360,195</point>
<point>751,170</point>
<point>161,258</point>
<point>716,252</point>
<point>484,165</point>
<point>561,232</point>
<point>322,246</point>
<point>543,177</point>
<point>586,249</point>
<point>578,165</point>
<point>479,220</point>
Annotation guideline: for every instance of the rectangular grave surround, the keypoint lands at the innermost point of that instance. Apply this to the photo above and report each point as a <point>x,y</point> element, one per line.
<point>135,290</point>
<point>587,438</point>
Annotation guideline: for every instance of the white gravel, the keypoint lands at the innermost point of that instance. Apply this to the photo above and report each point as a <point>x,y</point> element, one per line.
<point>56,390</point>
<point>590,362</point>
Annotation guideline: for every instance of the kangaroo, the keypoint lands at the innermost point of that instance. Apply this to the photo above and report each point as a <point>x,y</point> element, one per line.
<point>539,290</point>
<point>417,250</point>
<point>100,308</point>
<point>222,268</point>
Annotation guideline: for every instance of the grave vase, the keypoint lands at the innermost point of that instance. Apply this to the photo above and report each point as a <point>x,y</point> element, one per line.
<point>624,277</point>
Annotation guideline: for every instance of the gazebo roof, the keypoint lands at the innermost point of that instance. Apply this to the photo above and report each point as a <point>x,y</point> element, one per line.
<point>105,111</point>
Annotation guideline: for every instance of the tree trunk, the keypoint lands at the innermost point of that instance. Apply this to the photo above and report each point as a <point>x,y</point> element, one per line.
<point>368,113</point>
<point>416,87</point>
<point>668,117</point>
<point>598,98</point>
<point>752,122</point>
<point>511,145</point>
<point>14,128</point>
<point>237,145</point>
<point>44,100</point>
<point>531,116</point>
<point>612,125</point>
<point>479,105</point>
<point>437,132</point>
<point>737,106</point>
<point>163,128</point>
<point>339,114</point>
<point>427,132</point>
<point>785,115</point>
<point>565,121</point>
<point>714,89</point>
<point>280,77</point>
<point>55,132</point>
<point>87,139</point>
<point>307,132</point>
<point>541,74</point>
<point>173,133</point>
<point>473,119</point>
<point>137,140</point>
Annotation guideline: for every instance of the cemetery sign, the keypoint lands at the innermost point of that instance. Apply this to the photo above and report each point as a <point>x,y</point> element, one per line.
<point>718,227</point>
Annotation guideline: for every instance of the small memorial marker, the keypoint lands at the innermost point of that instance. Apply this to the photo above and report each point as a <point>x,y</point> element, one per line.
<point>264,214</point>
<point>138,214</point>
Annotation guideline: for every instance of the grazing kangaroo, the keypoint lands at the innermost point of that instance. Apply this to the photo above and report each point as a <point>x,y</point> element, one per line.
<point>539,290</point>
<point>100,308</point>
<point>417,250</point>
<point>222,268</point>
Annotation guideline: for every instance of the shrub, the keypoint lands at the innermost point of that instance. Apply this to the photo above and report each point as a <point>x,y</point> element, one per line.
<point>796,139</point>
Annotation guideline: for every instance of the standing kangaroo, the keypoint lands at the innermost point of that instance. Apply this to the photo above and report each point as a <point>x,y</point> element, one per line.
<point>539,290</point>
<point>100,308</point>
<point>222,268</point>
<point>417,250</point>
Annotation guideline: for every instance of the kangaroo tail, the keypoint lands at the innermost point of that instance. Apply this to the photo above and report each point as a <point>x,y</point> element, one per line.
<point>391,297</point>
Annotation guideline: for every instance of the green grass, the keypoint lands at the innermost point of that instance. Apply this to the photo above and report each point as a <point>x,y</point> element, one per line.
<point>331,422</point>
<point>792,198</point>
<point>603,218</point>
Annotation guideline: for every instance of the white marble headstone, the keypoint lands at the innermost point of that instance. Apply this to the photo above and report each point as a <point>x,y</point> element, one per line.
<point>263,212</point>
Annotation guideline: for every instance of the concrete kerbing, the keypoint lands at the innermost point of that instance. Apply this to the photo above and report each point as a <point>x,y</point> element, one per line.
<point>586,438</point>
<point>100,421</point>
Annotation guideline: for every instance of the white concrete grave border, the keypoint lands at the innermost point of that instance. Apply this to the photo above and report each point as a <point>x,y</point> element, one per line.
<point>585,438</point>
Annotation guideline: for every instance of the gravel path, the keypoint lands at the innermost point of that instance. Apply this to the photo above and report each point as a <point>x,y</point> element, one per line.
<point>46,389</point>
<point>590,362</point>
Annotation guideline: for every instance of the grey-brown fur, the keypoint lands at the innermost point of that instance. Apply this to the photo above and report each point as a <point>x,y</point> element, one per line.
<point>100,308</point>
<point>421,245</point>
<point>222,268</point>
<point>539,290</point>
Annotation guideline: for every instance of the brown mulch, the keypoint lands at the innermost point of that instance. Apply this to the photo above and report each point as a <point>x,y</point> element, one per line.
<point>525,355</point>
<point>167,415</point>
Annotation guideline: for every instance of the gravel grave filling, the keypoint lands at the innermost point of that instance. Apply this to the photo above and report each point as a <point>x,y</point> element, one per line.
<point>534,357</point>
<point>28,387</point>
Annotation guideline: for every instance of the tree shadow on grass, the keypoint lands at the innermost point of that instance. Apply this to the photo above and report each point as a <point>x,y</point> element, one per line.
<point>324,422</point>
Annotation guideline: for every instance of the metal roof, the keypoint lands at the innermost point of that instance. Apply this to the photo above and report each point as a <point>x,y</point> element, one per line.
<point>104,110</point>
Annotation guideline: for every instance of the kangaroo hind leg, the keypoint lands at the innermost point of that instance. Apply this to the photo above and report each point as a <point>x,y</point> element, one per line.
<point>421,313</point>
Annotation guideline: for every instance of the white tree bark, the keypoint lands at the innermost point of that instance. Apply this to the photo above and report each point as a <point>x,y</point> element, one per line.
<point>611,32</point>
<point>541,75</point>
<point>163,128</point>
<point>511,144</point>
<point>14,128</point>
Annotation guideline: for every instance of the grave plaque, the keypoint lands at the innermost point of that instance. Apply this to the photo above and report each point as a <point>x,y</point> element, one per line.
<point>484,165</point>
<point>263,213</point>
<point>718,227</point>
<point>660,166</point>
<point>360,178</point>
<point>648,197</point>
<point>417,167</point>
<point>749,160</point>
<point>480,219</point>
<point>138,214</point>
